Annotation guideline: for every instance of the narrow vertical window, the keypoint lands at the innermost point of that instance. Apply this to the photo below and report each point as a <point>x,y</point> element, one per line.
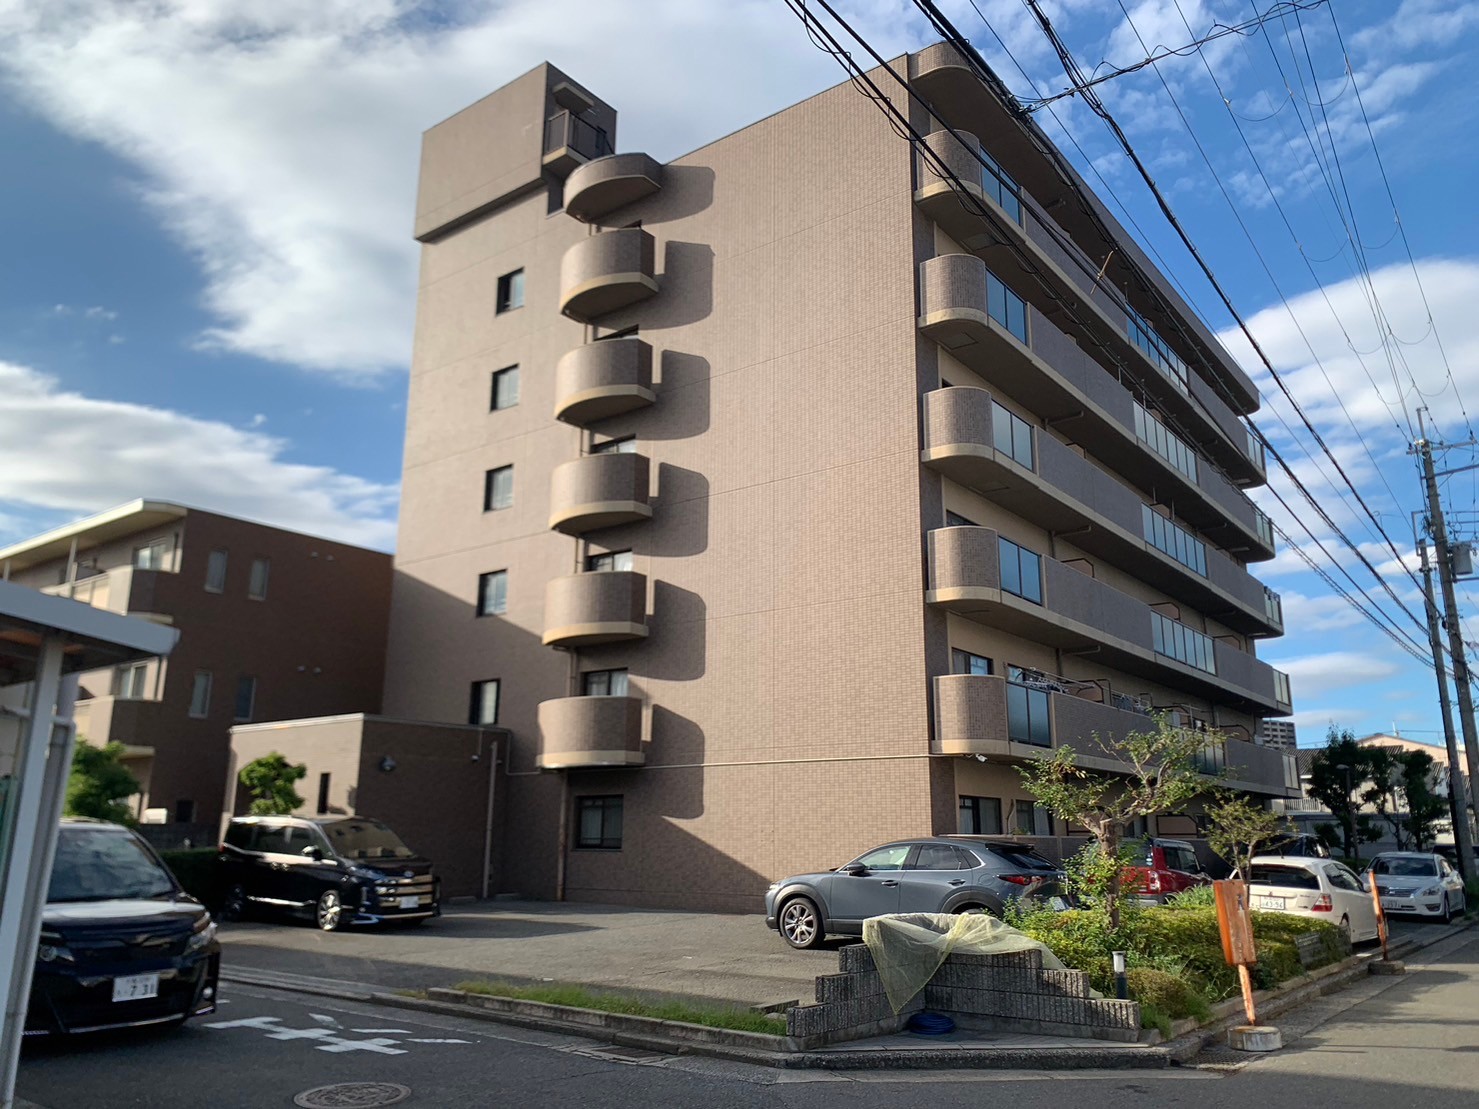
<point>323,792</point>
<point>200,694</point>
<point>510,291</point>
<point>257,586</point>
<point>483,703</point>
<point>493,593</point>
<point>215,572</point>
<point>246,697</point>
<point>498,488</point>
<point>505,388</point>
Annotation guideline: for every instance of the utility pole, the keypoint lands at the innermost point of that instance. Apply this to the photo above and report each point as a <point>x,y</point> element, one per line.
<point>1458,803</point>
<point>1439,529</point>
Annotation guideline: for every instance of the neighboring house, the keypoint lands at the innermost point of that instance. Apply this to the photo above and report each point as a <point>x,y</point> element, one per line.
<point>272,623</point>
<point>776,505</point>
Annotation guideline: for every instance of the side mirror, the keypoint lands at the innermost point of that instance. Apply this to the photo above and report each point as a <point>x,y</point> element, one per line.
<point>856,870</point>
<point>312,852</point>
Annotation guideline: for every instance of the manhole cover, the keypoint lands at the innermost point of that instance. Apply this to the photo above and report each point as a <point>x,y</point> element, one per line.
<point>358,1095</point>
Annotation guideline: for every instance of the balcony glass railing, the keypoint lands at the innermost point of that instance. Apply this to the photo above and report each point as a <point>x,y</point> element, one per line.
<point>1273,607</point>
<point>1021,571</point>
<point>1001,188</point>
<point>1281,688</point>
<point>1161,356</point>
<point>1006,307</point>
<point>1012,435</point>
<point>1264,527</point>
<point>1028,719</point>
<point>563,130</point>
<point>1255,452</point>
<point>1175,640</point>
<point>1174,540</point>
<point>1211,759</point>
<point>1167,444</point>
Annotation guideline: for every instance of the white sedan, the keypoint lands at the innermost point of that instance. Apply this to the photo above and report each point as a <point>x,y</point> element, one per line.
<point>1420,883</point>
<point>1321,889</point>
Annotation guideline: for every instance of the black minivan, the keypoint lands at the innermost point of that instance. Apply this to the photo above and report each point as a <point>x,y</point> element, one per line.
<point>337,869</point>
<point>122,944</point>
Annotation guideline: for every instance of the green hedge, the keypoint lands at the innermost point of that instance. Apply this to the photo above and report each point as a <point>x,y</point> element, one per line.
<point>195,868</point>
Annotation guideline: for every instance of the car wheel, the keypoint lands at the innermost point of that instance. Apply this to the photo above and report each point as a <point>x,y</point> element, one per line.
<point>329,913</point>
<point>972,910</point>
<point>1446,912</point>
<point>234,904</point>
<point>801,923</point>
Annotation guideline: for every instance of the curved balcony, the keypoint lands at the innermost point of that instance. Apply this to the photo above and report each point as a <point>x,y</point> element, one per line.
<point>599,491</point>
<point>605,606</point>
<point>578,733</point>
<point>600,187</point>
<point>603,379</point>
<point>604,272</point>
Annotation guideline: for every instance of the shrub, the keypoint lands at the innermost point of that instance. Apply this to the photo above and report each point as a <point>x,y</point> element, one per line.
<point>1167,993</point>
<point>196,870</point>
<point>1198,897</point>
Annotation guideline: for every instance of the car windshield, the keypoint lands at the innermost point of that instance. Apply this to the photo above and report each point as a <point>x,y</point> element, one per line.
<point>1406,868</point>
<point>96,864</point>
<point>1023,858</point>
<point>1288,877</point>
<point>365,839</point>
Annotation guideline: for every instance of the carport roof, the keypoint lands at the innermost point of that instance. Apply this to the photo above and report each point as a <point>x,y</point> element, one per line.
<point>94,638</point>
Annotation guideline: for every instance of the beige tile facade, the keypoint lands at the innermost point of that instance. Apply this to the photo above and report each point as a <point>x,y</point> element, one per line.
<point>786,678</point>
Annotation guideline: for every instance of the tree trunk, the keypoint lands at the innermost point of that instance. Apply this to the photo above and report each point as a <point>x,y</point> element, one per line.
<point>1110,845</point>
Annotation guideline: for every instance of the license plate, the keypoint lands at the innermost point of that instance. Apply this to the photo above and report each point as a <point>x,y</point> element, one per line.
<point>1270,902</point>
<point>136,987</point>
<point>410,902</point>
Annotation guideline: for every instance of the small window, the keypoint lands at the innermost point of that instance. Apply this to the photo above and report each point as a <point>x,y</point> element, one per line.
<point>608,560</point>
<point>964,662</point>
<point>498,488</point>
<point>511,291</point>
<point>935,856</point>
<point>980,816</point>
<point>604,683</point>
<point>257,585</point>
<point>505,388</point>
<point>493,593</point>
<point>624,333</point>
<point>131,683</point>
<point>1031,820</point>
<point>483,709</point>
<point>246,697</point>
<point>200,694</point>
<point>598,823</point>
<point>150,556</point>
<point>956,520</point>
<point>627,445</point>
<point>323,793</point>
<point>215,572</point>
<point>184,811</point>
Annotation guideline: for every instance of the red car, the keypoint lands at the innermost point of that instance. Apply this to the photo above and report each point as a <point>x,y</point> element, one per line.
<point>1164,868</point>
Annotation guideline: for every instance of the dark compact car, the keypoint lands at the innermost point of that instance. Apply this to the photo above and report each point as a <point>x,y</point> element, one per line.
<point>1298,846</point>
<point>954,874</point>
<point>337,869</point>
<point>121,943</point>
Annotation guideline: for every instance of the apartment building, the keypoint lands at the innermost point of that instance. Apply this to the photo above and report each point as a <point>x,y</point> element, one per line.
<point>1277,733</point>
<point>777,504</point>
<point>272,624</point>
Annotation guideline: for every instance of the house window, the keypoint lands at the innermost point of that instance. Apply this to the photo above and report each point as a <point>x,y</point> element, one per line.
<point>1027,711</point>
<point>1030,819</point>
<point>624,333</point>
<point>246,696</point>
<point>604,683</point>
<point>510,291</point>
<point>608,560</point>
<point>150,556</point>
<point>963,662</point>
<point>505,388</point>
<point>215,572</point>
<point>498,488</point>
<point>598,823</point>
<point>493,593</point>
<point>200,694</point>
<point>1021,572</point>
<point>184,811</point>
<point>1012,435</point>
<point>980,816</point>
<point>131,682</point>
<point>483,706</point>
<point>627,445</point>
<point>323,792</point>
<point>257,584</point>
<point>956,520</point>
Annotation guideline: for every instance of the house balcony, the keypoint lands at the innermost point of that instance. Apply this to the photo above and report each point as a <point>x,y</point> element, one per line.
<point>598,188</point>
<point>966,104</point>
<point>1079,614</point>
<point>599,491</point>
<point>604,606</point>
<point>580,733</point>
<point>125,590</point>
<point>607,271</point>
<point>979,444</point>
<point>134,722</point>
<point>570,141</point>
<point>989,716</point>
<point>603,379</point>
<point>1050,374</point>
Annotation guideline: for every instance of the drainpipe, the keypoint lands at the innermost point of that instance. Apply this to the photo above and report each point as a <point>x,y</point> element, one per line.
<point>564,834</point>
<point>488,823</point>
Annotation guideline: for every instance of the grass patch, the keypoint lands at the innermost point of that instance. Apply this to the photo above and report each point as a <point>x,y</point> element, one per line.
<point>578,997</point>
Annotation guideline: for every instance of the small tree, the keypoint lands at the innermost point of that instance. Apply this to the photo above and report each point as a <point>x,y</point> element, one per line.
<point>1424,807</point>
<point>1238,827</point>
<point>99,783</point>
<point>1161,775</point>
<point>1337,772</point>
<point>270,782</point>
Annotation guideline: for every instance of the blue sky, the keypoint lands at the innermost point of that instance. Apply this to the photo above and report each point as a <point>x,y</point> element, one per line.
<point>211,278</point>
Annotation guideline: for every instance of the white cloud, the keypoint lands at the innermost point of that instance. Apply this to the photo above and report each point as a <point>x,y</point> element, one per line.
<point>62,452</point>
<point>1316,675</point>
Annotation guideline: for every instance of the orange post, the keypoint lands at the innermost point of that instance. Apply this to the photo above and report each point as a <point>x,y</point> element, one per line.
<point>1236,927</point>
<point>1381,916</point>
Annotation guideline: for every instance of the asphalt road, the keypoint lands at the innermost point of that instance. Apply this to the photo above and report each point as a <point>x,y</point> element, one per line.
<point>1411,1041</point>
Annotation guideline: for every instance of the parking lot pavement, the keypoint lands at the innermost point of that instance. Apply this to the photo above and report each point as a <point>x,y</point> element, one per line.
<point>707,956</point>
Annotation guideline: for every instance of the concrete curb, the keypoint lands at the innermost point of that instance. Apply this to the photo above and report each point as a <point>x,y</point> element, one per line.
<point>751,1047</point>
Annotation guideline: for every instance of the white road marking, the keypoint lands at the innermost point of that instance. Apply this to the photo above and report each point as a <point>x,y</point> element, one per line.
<point>249,1022</point>
<point>379,1031</point>
<point>430,1041</point>
<point>379,1045</point>
<point>322,1019</point>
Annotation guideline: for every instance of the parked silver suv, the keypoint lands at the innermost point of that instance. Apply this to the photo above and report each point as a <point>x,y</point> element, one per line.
<point>940,874</point>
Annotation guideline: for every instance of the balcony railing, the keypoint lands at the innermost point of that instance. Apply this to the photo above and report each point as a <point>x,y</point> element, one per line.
<point>124,590</point>
<point>570,140</point>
